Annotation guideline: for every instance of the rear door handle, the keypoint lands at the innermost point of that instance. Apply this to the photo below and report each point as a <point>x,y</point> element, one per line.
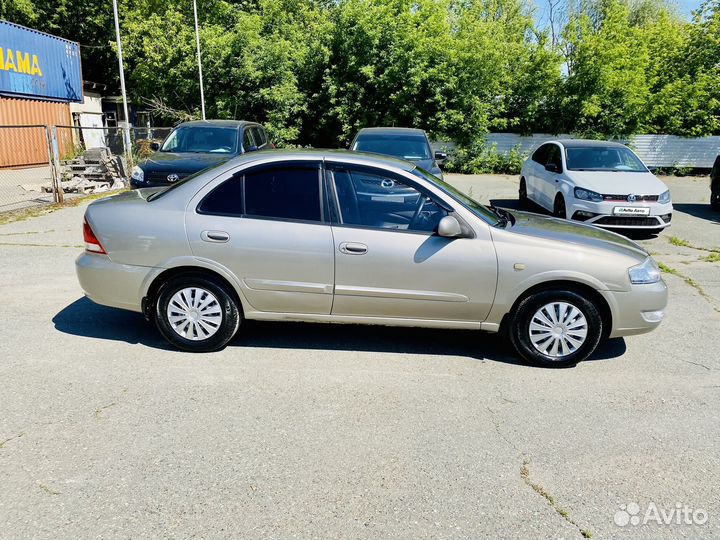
<point>215,236</point>
<point>353,248</point>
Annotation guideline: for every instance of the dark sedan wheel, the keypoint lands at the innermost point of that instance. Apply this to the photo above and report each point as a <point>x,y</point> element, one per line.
<point>559,207</point>
<point>556,328</point>
<point>522,193</point>
<point>196,314</point>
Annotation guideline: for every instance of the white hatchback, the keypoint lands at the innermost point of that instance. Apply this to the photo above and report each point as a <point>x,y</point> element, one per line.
<point>598,182</point>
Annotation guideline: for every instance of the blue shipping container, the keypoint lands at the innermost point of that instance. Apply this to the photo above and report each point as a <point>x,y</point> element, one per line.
<point>36,64</point>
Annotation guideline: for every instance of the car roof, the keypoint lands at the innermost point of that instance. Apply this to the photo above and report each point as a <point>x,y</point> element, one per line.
<point>589,143</point>
<point>390,131</point>
<point>218,123</point>
<point>363,158</point>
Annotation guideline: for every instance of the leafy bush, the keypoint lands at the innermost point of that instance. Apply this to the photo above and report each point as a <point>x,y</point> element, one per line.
<point>478,158</point>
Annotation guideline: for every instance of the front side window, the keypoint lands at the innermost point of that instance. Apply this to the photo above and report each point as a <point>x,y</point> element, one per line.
<point>248,141</point>
<point>603,158</point>
<point>371,199</point>
<point>284,192</point>
<point>554,157</point>
<point>200,139</point>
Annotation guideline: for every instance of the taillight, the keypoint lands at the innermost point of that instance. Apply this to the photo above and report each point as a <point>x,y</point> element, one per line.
<point>91,241</point>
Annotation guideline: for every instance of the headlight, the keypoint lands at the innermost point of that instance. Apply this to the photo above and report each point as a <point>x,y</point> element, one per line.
<point>647,272</point>
<point>587,195</point>
<point>137,174</point>
<point>664,197</point>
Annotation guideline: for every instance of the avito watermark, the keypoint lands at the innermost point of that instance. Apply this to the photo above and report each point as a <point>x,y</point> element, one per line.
<point>681,514</point>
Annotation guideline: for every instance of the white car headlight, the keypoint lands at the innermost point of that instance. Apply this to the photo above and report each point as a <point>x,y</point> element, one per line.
<point>587,195</point>
<point>664,197</point>
<point>137,174</point>
<point>647,272</point>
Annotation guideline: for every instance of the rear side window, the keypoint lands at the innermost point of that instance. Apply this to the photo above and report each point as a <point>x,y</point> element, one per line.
<point>226,199</point>
<point>259,136</point>
<point>284,193</point>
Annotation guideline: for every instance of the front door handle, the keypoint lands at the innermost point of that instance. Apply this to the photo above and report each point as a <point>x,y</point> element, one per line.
<point>353,248</point>
<point>215,236</point>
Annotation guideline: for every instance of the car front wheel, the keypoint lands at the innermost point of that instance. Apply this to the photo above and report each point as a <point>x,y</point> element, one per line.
<point>197,314</point>
<point>555,328</point>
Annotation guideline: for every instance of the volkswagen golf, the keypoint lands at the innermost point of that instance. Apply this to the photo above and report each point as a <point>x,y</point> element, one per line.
<point>346,237</point>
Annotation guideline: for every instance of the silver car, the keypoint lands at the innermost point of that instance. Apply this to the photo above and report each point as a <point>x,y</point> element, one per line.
<point>345,237</point>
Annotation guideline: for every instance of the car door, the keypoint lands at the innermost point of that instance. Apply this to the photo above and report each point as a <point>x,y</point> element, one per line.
<point>550,183</point>
<point>267,226</point>
<point>535,173</point>
<point>390,263</point>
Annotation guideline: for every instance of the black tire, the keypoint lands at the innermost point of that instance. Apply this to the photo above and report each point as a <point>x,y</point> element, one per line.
<point>520,331</point>
<point>223,312</point>
<point>559,207</point>
<point>715,202</point>
<point>522,193</point>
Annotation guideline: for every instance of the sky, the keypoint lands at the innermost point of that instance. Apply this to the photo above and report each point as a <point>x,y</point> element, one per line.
<point>685,7</point>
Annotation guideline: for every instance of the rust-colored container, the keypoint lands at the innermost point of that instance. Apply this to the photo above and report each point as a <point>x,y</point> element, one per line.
<point>25,146</point>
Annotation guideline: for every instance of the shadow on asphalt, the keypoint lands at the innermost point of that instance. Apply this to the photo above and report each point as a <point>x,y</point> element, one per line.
<point>84,318</point>
<point>702,211</point>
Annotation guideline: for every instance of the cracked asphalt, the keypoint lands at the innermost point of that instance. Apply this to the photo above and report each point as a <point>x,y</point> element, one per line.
<point>314,431</point>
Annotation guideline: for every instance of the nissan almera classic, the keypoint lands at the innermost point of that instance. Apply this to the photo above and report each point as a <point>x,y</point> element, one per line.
<point>353,238</point>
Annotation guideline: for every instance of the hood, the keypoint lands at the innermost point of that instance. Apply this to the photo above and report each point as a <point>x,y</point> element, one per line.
<point>618,183</point>
<point>570,232</point>
<point>187,162</point>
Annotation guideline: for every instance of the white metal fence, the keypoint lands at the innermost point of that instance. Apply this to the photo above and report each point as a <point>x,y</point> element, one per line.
<point>654,150</point>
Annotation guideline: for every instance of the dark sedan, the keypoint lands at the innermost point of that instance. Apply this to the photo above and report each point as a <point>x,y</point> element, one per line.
<point>194,146</point>
<point>404,143</point>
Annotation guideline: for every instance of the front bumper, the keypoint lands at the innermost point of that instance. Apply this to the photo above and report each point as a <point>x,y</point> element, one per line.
<point>109,283</point>
<point>602,214</point>
<point>639,310</point>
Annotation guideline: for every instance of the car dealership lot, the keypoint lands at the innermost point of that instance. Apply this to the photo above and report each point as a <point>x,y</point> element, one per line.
<point>300,430</point>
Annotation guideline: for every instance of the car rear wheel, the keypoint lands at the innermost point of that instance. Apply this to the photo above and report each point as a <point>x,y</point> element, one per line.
<point>559,207</point>
<point>555,328</point>
<point>522,193</point>
<point>197,314</point>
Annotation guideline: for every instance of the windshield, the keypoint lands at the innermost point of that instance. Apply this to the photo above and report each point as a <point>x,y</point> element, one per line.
<point>480,210</point>
<point>201,139</point>
<point>411,147</point>
<point>603,158</point>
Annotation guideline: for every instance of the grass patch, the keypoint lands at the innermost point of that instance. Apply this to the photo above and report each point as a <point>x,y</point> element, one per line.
<point>690,281</point>
<point>537,488</point>
<point>712,258</point>
<point>675,241</point>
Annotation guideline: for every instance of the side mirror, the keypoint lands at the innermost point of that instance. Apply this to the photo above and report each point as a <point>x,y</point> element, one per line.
<point>440,156</point>
<point>552,168</point>
<point>154,146</point>
<point>449,227</point>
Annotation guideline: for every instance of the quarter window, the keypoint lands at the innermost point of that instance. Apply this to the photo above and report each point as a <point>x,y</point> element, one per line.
<point>540,155</point>
<point>284,193</point>
<point>369,199</point>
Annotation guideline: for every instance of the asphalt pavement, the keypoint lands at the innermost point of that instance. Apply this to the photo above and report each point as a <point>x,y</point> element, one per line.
<point>322,431</point>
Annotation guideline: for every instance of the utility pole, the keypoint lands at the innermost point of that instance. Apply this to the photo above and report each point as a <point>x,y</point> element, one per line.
<point>197,41</point>
<point>128,146</point>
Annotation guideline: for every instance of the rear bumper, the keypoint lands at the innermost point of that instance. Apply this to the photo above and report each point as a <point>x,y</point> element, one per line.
<point>111,284</point>
<point>639,310</point>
